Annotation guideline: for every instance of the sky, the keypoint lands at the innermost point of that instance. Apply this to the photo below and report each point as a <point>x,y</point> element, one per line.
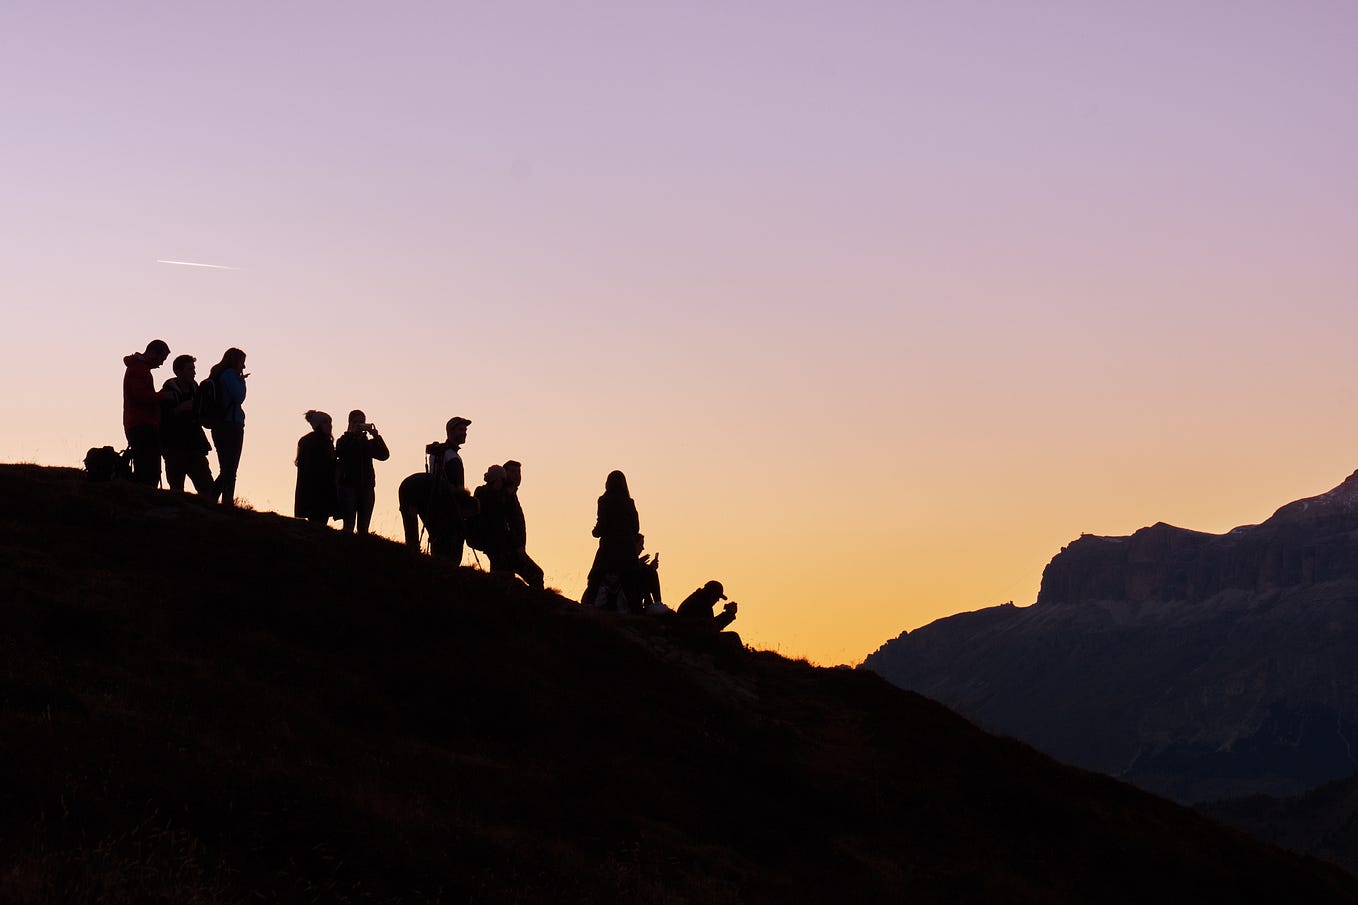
<point>877,305</point>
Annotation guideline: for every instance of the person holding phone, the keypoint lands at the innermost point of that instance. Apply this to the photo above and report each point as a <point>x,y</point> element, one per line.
<point>356,479</point>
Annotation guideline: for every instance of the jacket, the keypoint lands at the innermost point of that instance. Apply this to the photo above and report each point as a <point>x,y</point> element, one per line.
<point>141,406</point>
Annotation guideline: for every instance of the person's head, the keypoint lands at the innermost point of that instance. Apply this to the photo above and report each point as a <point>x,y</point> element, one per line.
<point>320,422</point>
<point>183,367</point>
<point>357,420</point>
<point>715,590</point>
<point>514,473</point>
<point>456,429</point>
<point>495,475</point>
<point>616,484</point>
<point>157,350</point>
<point>641,543</point>
<point>232,359</point>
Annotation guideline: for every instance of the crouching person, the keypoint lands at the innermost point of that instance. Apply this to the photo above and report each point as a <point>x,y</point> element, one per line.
<point>698,617</point>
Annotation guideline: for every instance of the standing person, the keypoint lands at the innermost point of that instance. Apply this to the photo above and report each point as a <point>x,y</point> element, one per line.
<point>141,411</point>
<point>355,452</point>
<point>229,436</point>
<point>520,562</point>
<point>181,435</point>
<point>492,520</point>
<point>315,498</point>
<point>453,504</point>
<point>616,527</point>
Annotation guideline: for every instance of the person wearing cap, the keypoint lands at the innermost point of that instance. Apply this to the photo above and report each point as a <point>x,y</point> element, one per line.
<point>698,607</point>
<point>141,411</point>
<point>447,533</point>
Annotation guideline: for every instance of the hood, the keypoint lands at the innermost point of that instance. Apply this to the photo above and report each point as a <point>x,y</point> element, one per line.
<point>135,359</point>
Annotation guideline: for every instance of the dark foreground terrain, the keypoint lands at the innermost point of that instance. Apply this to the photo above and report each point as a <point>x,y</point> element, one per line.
<point>209,707</point>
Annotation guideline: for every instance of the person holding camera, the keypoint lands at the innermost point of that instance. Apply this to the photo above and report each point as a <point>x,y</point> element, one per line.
<point>355,478</point>
<point>698,608</point>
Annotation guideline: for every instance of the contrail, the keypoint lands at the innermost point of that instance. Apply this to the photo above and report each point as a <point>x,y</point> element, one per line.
<point>196,264</point>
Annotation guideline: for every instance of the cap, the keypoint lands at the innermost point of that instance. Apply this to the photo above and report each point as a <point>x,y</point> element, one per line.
<point>457,421</point>
<point>716,586</point>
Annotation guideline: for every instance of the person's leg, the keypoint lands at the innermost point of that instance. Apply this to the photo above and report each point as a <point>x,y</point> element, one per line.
<point>366,499</point>
<point>175,469</point>
<point>144,441</point>
<point>348,503</point>
<point>200,473</point>
<point>529,571</point>
<point>230,441</point>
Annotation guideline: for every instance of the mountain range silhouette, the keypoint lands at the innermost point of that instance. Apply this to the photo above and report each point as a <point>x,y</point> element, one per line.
<point>199,705</point>
<point>1198,666</point>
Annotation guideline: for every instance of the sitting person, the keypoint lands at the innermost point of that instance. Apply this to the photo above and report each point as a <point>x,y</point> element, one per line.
<point>697,608</point>
<point>642,585</point>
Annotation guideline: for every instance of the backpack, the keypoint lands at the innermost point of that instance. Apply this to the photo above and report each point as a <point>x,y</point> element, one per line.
<point>208,405</point>
<point>104,463</point>
<point>474,529</point>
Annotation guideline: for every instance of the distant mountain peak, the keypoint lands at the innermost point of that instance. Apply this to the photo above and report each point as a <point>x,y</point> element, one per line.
<point>1341,501</point>
<point>1197,665</point>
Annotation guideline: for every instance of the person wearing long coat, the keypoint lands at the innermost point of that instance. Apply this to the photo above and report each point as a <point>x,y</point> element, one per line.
<point>315,499</point>
<point>616,527</point>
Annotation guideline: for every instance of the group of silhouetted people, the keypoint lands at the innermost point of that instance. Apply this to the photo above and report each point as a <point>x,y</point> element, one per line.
<point>171,422</point>
<point>336,479</point>
<point>625,579</point>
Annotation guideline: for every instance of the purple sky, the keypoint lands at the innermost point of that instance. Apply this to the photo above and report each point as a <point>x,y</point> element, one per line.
<point>876,304</point>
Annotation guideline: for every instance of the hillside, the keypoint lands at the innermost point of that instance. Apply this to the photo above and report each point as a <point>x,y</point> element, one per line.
<point>219,707</point>
<point>1323,822</point>
<point>1198,666</point>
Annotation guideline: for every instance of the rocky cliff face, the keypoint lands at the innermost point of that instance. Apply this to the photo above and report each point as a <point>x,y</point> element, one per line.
<point>1199,666</point>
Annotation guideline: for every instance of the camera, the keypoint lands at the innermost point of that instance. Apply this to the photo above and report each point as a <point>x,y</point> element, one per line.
<point>370,427</point>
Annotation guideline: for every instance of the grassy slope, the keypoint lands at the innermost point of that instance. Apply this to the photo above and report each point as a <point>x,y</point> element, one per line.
<point>199,706</point>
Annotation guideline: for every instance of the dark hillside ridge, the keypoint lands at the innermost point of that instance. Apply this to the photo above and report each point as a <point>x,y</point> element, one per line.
<point>1323,822</point>
<point>1198,666</point>
<point>208,706</point>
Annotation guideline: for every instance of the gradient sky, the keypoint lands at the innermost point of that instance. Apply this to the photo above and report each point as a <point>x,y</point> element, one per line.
<point>876,304</point>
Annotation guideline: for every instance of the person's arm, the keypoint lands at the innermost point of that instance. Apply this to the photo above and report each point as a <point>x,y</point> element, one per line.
<point>378,447</point>
<point>726,616</point>
<point>233,386</point>
<point>140,388</point>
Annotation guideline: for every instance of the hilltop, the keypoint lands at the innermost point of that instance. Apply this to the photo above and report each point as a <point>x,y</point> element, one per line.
<point>207,706</point>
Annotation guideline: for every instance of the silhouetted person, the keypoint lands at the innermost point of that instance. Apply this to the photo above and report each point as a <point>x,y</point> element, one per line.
<point>315,497</point>
<point>522,563</point>
<point>643,581</point>
<point>141,411</point>
<point>616,527</point>
<point>492,515</point>
<point>229,436</point>
<point>356,479</point>
<point>698,608</point>
<point>181,435</point>
<point>455,503</point>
